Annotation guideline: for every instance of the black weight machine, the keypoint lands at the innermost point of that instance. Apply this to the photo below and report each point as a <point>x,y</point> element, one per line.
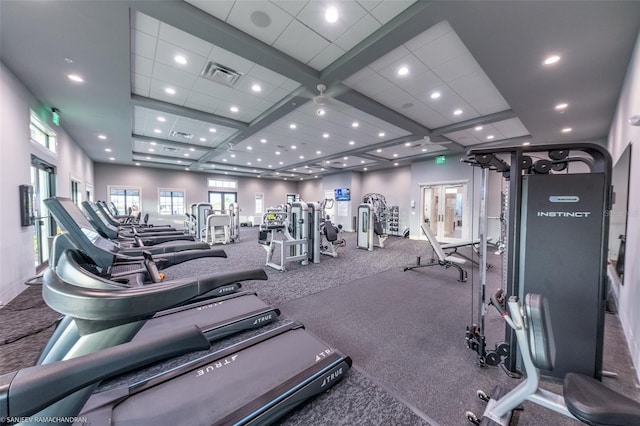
<point>557,229</point>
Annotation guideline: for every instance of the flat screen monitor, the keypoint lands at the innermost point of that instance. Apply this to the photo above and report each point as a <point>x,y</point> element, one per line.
<point>342,194</point>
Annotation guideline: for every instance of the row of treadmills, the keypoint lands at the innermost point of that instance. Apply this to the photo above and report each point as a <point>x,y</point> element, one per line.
<point>119,315</point>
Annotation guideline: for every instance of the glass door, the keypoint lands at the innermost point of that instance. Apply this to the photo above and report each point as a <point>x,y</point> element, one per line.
<point>443,209</point>
<point>43,182</point>
<point>220,201</point>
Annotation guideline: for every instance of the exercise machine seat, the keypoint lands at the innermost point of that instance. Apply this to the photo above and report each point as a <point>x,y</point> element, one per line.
<point>541,340</point>
<point>595,404</point>
<point>330,231</point>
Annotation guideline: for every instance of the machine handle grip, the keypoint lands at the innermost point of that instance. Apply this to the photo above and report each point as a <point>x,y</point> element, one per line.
<point>497,300</point>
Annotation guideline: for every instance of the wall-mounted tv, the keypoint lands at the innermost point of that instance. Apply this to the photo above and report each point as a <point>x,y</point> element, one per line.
<point>342,194</point>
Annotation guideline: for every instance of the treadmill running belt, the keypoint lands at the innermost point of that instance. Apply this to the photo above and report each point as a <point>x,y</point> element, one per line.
<point>233,386</point>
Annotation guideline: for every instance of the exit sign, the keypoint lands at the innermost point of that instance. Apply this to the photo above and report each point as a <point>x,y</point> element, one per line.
<point>440,159</point>
<point>55,117</point>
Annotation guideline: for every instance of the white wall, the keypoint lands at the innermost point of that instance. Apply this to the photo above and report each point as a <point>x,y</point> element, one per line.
<point>194,184</point>
<point>620,135</point>
<point>16,242</point>
<point>311,190</point>
<point>395,185</point>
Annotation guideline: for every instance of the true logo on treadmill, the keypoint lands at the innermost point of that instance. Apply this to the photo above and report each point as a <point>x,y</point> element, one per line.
<point>216,365</point>
<point>209,306</point>
<point>331,377</point>
<point>322,355</point>
<point>227,289</point>
<point>263,319</point>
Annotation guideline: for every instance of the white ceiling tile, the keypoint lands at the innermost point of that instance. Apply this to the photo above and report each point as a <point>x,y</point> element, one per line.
<point>184,40</point>
<point>143,44</point>
<point>326,57</point>
<point>348,14</point>
<point>390,58</point>
<point>246,83</point>
<point>242,16</point>
<point>267,75</point>
<point>429,35</point>
<point>389,9</point>
<point>214,89</point>
<point>457,67</point>
<point>219,8</point>
<point>415,67</point>
<point>358,76</point>
<point>277,94</point>
<point>141,65</point>
<point>177,78</point>
<point>292,7</point>
<point>289,42</point>
<point>369,5</point>
<point>441,50</point>
<point>425,115</point>
<point>511,128</point>
<point>358,32</point>
<point>290,85</point>
<point>157,92</point>
<point>230,60</point>
<point>141,85</point>
<point>145,23</point>
<point>372,84</point>
<point>203,102</point>
<point>166,53</point>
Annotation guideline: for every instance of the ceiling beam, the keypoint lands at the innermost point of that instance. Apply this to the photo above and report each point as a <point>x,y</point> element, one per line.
<point>405,26</point>
<point>141,101</point>
<point>478,121</point>
<point>174,144</point>
<point>192,20</point>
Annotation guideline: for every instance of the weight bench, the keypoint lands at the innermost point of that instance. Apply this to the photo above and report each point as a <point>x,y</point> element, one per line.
<point>443,259</point>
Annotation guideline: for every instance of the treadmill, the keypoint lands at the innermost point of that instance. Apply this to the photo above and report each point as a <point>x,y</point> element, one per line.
<point>255,381</point>
<point>114,220</point>
<point>109,255</point>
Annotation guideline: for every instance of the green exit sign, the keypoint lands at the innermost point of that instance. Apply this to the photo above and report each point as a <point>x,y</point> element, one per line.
<point>441,159</point>
<point>55,117</point>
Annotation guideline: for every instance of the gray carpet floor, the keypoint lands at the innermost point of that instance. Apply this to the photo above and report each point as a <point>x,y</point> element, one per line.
<point>403,330</point>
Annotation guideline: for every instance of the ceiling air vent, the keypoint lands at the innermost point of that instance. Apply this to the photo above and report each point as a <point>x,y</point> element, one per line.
<point>182,135</point>
<point>171,149</point>
<point>221,74</point>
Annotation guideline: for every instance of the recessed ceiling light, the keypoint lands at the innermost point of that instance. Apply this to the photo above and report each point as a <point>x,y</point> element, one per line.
<point>365,169</point>
<point>381,135</point>
<point>249,148</point>
<point>226,173</point>
<point>258,159</point>
<point>263,141</point>
<point>103,137</point>
<point>161,119</point>
<point>302,157</point>
<point>112,158</point>
<point>292,126</point>
<point>192,149</point>
<point>202,140</point>
<point>490,137</point>
<point>151,150</point>
<point>344,164</point>
<point>306,167</point>
<point>352,142</point>
<point>224,160</point>
<point>345,158</point>
<point>233,156</point>
<point>212,130</point>
<point>424,149</point>
<point>280,162</point>
<point>254,170</point>
<point>355,124</point>
<point>435,95</point>
<point>269,166</point>
<point>301,178</point>
<point>157,131</point>
<point>395,155</point>
<point>248,163</point>
<point>213,166</point>
<point>403,71</point>
<point>320,112</point>
<point>325,135</point>
<point>277,152</point>
<point>551,59</point>
<point>153,143</point>
<point>407,144</point>
<point>235,168</point>
<point>233,109</point>
<point>137,164</point>
<point>526,143</point>
<point>179,161</point>
<point>561,107</point>
<point>478,128</point>
<point>395,164</point>
<point>362,161</point>
<point>567,130</point>
<point>378,150</point>
<point>285,178</point>
<point>68,60</point>
<point>107,149</point>
<point>186,154</point>
<point>76,78</point>
<point>316,176</point>
<point>256,88</point>
<point>457,112</point>
<point>293,147</point>
<point>322,169</point>
<point>331,14</point>
<point>170,90</point>
<point>148,158</point>
<point>180,59</point>
<point>186,169</point>
<point>318,152</point>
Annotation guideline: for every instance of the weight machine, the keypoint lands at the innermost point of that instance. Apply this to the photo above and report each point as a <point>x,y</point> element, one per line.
<point>293,228</point>
<point>332,233</point>
<point>556,245</point>
<point>373,213</point>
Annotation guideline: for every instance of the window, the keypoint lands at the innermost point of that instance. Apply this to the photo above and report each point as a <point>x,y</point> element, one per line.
<point>124,198</point>
<point>219,183</point>
<point>259,203</point>
<point>171,202</point>
<point>75,192</point>
<point>41,134</point>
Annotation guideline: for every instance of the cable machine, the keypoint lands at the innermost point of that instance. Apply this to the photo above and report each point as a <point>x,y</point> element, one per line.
<point>372,221</point>
<point>557,233</point>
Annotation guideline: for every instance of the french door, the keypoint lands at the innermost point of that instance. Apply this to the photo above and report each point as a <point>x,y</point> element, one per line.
<point>221,200</point>
<point>444,209</point>
<point>43,180</point>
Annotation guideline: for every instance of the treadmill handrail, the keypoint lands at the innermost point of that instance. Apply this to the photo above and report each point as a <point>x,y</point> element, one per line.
<point>27,391</point>
<point>72,290</point>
